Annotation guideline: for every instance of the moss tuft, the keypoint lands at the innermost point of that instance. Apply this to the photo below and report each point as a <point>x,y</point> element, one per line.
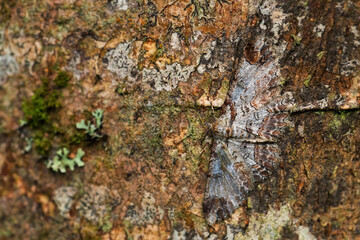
<point>42,145</point>
<point>38,112</point>
<point>76,138</point>
<point>37,108</point>
<point>62,79</point>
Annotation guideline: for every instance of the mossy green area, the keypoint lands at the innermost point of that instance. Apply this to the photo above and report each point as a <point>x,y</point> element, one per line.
<point>38,107</point>
<point>62,79</point>
<point>40,113</point>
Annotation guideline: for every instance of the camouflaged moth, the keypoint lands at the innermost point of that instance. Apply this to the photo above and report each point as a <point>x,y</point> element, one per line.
<point>245,147</point>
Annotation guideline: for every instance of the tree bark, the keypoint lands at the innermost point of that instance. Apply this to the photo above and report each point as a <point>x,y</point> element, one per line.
<point>184,119</point>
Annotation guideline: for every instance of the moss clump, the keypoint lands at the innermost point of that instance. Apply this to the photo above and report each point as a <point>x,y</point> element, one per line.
<point>76,138</point>
<point>307,80</point>
<point>62,79</point>
<point>42,145</point>
<point>36,109</point>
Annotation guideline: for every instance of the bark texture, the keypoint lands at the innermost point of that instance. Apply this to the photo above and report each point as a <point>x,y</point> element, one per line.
<point>154,83</point>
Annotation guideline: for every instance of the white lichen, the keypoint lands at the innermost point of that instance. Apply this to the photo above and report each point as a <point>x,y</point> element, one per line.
<point>277,16</point>
<point>354,30</point>
<point>319,30</point>
<point>119,4</point>
<point>271,226</point>
<point>147,213</point>
<point>167,79</point>
<point>175,42</point>
<point>278,25</point>
<point>92,204</point>
<point>8,67</point>
<point>64,198</point>
<point>73,64</point>
<point>119,62</point>
<point>267,226</point>
<point>179,235</point>
<point>183,235</point>
<point>347,68</point>
<point>304,233</point>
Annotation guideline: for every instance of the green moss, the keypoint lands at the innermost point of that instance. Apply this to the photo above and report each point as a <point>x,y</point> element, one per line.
<point>338,120</point>
<point>106,224</point>
<point>344,115</point>
<point>4,233</point>
<point>283,81</point>
<point>89,231</point>
<point>42,145</point>
<point>153,142</point>
<point>128,227</point>
<point>321,113</point>
<point>320,54</point>
<point>296,38</point>
<point>76,138</point>
<point>52,100</point>
<point>37,108</point>
<point>196,127</point>
<point>307,80</point>
<point>39,113</point>
<point>62,79</point>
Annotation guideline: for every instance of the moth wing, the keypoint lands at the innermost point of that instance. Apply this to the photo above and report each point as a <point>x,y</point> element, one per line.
<point>227,185</point>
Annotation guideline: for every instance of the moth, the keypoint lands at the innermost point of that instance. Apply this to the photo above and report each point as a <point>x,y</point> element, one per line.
<point>245,147</point>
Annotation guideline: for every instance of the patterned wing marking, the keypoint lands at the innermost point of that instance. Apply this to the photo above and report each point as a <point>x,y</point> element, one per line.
<point>251,153</point>
<point>261,158</point>
<point>228,182</point>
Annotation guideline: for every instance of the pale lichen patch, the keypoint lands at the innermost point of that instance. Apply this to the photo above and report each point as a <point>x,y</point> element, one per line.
<point>92,204</point>
<point>304,233</point>
<point>175,42</point>
<point>267,226</point>
<point>119,62</point>
<point>148,213</point>
<point>319,30</point>
<point>64,198</point>
<point>119,4</point>
<point>8,67</point>
<point>277,16</point>
<point>168,78</point>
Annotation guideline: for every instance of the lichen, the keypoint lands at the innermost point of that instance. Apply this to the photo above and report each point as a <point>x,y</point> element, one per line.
<point>8,66</point>
<point>119,4</point>
<point>92,204</point>
<point>92,130</point>
<point>64,198</point>
<point>272,225</point>
<point>147,213</point>
<point>167,79</point>
<point>61,161</point>
<point>304,233</point>
<point>119,62</point>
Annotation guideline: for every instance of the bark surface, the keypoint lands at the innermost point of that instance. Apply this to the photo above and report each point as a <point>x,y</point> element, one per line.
<point>111,112</point>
